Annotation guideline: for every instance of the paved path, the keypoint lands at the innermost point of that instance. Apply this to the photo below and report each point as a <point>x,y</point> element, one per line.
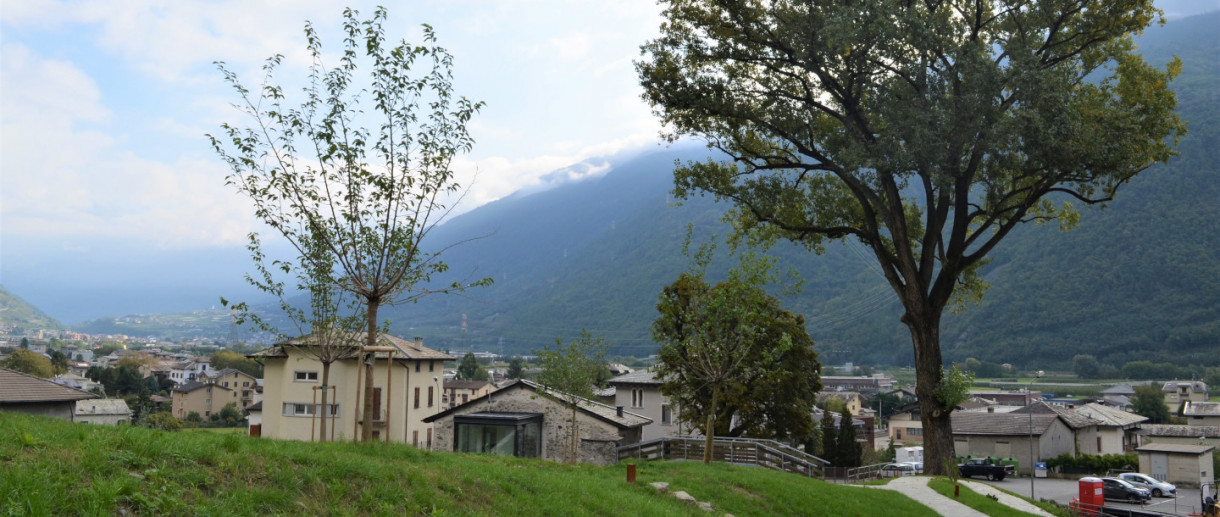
<point>916,487</point>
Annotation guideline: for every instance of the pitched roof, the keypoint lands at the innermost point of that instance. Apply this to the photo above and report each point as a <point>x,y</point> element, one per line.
<point>257,406</point>
<point>1175,448</point>
<point>406,350</point>
<point>596,409</point>
<point>464,384</point>
<point>1195,386</point>
<point>1110,416</point>
<point>102,407</point>
<point>1119,389</point>
<point>216,374</point>
<point>192,386</point>
<point>19,388</point>
<point>1180,431</point>
<point>1201,409</point>
<point>640,377</point>
<point>1071,417</point>
<point>1001,424</point>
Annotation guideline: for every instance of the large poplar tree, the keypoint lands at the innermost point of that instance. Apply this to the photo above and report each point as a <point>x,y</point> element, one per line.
<point>359,170</point>
<point>927,130</point>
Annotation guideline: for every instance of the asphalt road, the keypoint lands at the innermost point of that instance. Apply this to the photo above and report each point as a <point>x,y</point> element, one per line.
<point>1063,491</point>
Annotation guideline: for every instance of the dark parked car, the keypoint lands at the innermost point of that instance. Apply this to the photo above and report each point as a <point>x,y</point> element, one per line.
<point>1120,490</point>
<point>1158,488</point>
<point>985,467</point>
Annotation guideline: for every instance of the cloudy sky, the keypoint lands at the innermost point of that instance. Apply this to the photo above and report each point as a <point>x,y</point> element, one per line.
<point>107,181</point>
<point>105,104</point>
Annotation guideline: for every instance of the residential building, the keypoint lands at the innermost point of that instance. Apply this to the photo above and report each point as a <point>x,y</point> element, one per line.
<point>188,371</point>
<point>640,393</point>
<point>244,385</point>
<point>403,395</point>
<point>1118,429</point>
<point>851,399</point>
<point>866,385</point>
<point>457,392</point>
<point>36,396</point>
<point>1091,436</point>
<point>906,425</point>
<point>1179,392</point>
<point>529,420</point>
<point>1007,435</point>
<point>1201,413</point>
<point>102,412</point>
<point>201,397</point>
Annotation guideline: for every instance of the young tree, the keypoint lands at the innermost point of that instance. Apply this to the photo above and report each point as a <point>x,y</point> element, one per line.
<point>223,359</point>
<point>516,368</point>
<point>59,362</point>
<point>730,350</point>
<point>849,448</point>
<point>469,368</point>
<point>572,372</point>
<point>329,185</point>
<point>925,130</point>
<point>1149,401</point>
<point>830,442</point>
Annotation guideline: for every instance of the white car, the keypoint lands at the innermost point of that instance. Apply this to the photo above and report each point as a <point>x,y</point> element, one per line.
<point>1158,488</point>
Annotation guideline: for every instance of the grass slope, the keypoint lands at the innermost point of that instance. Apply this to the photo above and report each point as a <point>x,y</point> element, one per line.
<point>52,467</point>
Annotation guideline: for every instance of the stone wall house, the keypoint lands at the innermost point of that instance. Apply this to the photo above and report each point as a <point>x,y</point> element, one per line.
<point>36,396</point>
<point>102,412</point>
<point>1087,434</point>
<point>526,419</point>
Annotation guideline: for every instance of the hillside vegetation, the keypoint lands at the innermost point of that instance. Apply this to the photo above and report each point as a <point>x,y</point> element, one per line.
<point>18,313</point>
<point>52,467</point>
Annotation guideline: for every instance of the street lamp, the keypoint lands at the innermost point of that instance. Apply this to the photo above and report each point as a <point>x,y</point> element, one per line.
<point>1030,407</point>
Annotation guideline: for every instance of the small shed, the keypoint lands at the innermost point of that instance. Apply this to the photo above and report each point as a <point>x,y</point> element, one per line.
<point>102,412</point>
<point>36,396</point>
<point>1180,464</point>
<point>527,419</point>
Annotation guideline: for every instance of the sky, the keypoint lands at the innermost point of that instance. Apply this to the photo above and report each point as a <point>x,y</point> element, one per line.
<point>105,169</point>
<point>109,186</point>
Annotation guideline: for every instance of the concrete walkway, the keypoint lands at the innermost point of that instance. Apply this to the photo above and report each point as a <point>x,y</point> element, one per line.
<point>916,487</point>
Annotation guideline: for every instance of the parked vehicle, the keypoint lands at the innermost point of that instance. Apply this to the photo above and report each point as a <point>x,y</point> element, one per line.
<point>985,467</point>
<point>1119,490</point>
<point>1158,488</point>
<point>891,470</point>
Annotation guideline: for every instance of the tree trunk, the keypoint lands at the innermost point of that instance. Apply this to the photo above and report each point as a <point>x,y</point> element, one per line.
<point>710,430</point>
<point>366,431</point>
<point>325,389</point>
<point>575,442</point>
<point>937,424</point>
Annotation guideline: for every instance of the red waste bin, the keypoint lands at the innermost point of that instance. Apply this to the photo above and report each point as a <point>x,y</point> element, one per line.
<point>1092,495</point>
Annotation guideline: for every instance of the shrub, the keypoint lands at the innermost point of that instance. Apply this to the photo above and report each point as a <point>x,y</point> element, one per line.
<point>164,421</point>
<point>1094,463</point>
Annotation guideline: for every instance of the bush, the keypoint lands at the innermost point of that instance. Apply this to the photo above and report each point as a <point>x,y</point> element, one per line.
<point>1094,463</point>
<point>164,421</point>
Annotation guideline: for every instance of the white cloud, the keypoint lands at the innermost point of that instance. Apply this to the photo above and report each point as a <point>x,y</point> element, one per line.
<point>571,47</point>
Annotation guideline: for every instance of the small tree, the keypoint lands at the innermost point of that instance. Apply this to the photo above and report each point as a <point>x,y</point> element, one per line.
<point>1086,366</point>
<point>572,372</point>
<point>59,362</point>
<point>849,448</point>
<point>230,415</point>
<point>28,362</point>
<point>469,369</point>
<point>164,421</point>
<point>830,439</point>
<point>365,199</point>
<point>516,368</point>
<point>1149,401</point>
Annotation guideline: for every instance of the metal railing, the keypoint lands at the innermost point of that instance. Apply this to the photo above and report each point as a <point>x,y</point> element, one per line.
<point>741,451</point>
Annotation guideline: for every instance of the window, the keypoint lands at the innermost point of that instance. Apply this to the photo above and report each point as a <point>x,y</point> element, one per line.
<point>417,396</point>
<point>416,366</point>
<point>245,384</point>
<point>431,368</point>
<point>508,434</point>
<point>637,398</point>
<point>306,409</point>
<point>226,384</point>
<point>415,438</point>
<point>666,416</point>
<point>304,376</point>
<point>429,396</point>
<point>915,431</point>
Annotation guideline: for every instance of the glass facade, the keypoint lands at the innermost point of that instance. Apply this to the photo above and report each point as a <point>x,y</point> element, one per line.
<point>506,434</point>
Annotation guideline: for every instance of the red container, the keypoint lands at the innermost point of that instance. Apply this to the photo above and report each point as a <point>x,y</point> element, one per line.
<point>1092,496</point>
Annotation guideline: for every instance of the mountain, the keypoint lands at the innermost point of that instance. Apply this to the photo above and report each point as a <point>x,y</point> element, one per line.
<point>1137,280</point>
<point>16,312</point>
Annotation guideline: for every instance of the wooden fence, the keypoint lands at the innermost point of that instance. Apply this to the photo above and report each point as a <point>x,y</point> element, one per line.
<point>741,451</point>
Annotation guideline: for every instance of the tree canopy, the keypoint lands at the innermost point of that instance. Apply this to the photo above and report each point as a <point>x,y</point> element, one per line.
<point>24,361</point>
<point>732,360</point>
<point>469,368</point>
<point>1149,401</point>
<point>572,371</point>
<point>927,131</point>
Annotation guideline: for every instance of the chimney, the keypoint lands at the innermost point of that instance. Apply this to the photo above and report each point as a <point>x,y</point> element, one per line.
<point>619,410</point>
<point>419,342</point>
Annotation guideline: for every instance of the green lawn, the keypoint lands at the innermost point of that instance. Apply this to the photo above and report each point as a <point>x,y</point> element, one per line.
<point>52,467</point>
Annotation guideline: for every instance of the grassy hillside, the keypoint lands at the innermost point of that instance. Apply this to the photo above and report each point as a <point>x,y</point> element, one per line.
<point>17,312</point>
<point>52,467</point>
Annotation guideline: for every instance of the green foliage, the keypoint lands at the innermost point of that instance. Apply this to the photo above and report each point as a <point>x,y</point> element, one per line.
<point>1098,464</point>
<point>830,439</point>
<point>849,450</point>
<point>983,368</point>
<point>25,361</point>
<point>1147,370</point>
<point>954,387</point>
<point>516,368</point>
<point>17,312</point>
<point>194,417</point>
<point>730,351</point>
<point>1149,401</point>
<point>1086,366</point>
<point>229,359</point>
<point>164,421</point>
<point>469,369</point>
<point>574,368</point>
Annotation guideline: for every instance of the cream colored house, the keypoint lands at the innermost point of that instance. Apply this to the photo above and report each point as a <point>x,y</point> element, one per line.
<point>244,384</point>
<point>201,397</point>
<point>1177,392</point>
<point>1201,413</point>
<point>460,391</point>
<point>404,393</point>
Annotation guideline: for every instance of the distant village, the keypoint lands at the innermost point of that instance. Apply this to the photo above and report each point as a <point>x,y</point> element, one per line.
<point>431,399</point>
